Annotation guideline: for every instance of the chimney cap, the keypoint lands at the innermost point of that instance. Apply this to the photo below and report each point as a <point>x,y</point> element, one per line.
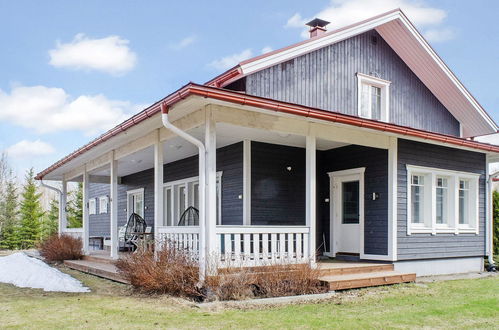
<point>317,22</point>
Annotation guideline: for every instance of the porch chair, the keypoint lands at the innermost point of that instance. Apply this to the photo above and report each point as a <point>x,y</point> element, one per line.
<point>136,224</point>
<point>190,217</point>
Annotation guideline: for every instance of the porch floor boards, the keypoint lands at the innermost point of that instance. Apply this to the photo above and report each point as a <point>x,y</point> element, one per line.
<point>339,275</point>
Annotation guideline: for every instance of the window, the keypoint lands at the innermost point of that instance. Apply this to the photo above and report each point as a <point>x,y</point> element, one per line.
<point>441,201</point>
<point>417,200</point>
<point>180,195</point>
<point>103,202</point>
<point>464,202</point>
<point>373,97</point>
<point>351,202</point>
<point>91,206</point>
<point>135,202</point>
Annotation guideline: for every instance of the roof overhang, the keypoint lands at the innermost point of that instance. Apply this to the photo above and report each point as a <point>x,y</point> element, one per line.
<point>396,29</point>
<point>184,94</point>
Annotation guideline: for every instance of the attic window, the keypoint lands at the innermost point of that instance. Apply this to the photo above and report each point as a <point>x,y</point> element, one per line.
<point>373,97</point>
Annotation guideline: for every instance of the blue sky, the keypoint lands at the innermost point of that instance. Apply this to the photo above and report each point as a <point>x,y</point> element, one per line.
<point>71,69</point>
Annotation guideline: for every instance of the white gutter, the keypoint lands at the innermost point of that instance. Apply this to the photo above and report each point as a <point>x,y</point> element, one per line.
<point>202,190</point>
<point>61,210</point>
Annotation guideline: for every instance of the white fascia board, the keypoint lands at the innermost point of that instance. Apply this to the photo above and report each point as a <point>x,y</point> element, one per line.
<point>307,47</point>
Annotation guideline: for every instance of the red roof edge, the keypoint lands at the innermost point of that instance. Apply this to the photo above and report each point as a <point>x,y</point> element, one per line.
<point>242,99</point>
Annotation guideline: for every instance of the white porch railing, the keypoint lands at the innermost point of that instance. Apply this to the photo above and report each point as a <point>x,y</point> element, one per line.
<point>183,237</point>
<point>245,245</point>
<point>74,232</point>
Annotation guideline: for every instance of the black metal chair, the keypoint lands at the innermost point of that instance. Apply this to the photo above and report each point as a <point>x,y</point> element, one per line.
<point>136,224</point>
<point>190,217</point>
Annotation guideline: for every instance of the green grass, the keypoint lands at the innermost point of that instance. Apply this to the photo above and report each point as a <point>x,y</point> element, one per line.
<point>450,304</point>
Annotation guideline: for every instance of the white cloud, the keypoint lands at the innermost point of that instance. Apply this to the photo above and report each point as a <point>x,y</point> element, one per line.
<point>439,35</point>
<point>46,109</point>
<point>344,12</point>
<point>25,148</point>
<point>110,54</point>
<point>266,49</point>
<point>183,43</point>
<point>231,60</point>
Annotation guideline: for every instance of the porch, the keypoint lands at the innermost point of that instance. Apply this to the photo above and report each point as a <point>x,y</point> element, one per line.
<point>339,275</point>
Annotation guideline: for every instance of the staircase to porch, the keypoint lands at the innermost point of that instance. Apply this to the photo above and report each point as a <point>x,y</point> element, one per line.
<point>98,264</point>
<point>342,275</point>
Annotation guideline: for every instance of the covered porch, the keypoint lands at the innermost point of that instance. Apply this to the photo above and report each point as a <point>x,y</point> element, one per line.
<point>268,182</point>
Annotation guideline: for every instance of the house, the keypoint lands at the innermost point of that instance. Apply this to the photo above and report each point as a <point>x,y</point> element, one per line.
<point>356,143</point>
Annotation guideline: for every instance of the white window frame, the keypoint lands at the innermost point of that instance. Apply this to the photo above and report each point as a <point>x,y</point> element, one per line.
<point>189,184</point>
<point>92,208</point>
<point>384,85</point>
<point>429,203</point>
<point>128,206</point>
<point>103,204</point>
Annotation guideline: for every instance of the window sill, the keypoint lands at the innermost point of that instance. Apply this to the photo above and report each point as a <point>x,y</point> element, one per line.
<point>442,230</point>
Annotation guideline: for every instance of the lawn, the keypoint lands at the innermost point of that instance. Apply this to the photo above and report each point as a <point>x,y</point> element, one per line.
<point>447,304</point>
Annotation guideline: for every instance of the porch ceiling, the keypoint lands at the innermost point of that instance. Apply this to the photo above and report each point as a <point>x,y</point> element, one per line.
<point>176,148</point>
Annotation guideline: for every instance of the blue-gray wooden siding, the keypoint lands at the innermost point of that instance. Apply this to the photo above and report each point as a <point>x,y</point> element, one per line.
<point>277,194</point>
<point>375,180</point>
<point>423,246</point>
<point>229,160</point>
<point>326,79</point>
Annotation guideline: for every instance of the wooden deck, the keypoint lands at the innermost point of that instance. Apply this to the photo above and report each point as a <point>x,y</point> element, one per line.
<point>339,275</point>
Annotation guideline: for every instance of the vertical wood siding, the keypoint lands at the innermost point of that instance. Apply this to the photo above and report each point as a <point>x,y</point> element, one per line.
<point>423,246</point>
<point>229,160</point>
<point>326,79</point>
<point>277,195</point>
<point>375,180</point>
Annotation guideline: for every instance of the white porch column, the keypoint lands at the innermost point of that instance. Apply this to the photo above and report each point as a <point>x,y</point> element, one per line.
<point>158,186</point>
<point>311,204</point>
<point>247,182</point>
<point>392,197</point>
<point>113,200</point>
<point>85,220</point>
<point>211,186</point>
<point>63,217</point>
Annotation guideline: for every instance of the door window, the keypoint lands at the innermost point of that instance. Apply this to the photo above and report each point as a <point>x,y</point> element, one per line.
<point>350,202</point>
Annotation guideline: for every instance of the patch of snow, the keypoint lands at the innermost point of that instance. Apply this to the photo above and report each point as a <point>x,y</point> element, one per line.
<point>26,272</point>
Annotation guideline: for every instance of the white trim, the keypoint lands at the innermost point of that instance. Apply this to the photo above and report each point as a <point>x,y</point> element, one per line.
<point>133,192</point>
<point>158,185</point>
<point>310,193</point>
<point>85,220</point>
<point>383,85</point>
<point>114,207</point>
<point>186,182</point>
<point>452,226</point>
<point>334,176</point>
<point>247,182</point>
<point>92,206</point>
<point>105,200</point>
<point>392,198</point>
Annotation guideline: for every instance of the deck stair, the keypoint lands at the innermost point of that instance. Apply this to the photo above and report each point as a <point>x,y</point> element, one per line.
<point>351,275</point>
<point>97,264</point>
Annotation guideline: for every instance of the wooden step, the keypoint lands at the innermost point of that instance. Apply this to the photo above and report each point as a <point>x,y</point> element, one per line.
<point>101,269</point>
<point>98,258</point>
<point>331,269</point>
<point>352,281</point>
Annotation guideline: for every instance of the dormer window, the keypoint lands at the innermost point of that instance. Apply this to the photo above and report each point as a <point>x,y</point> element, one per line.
<point>373,97</point>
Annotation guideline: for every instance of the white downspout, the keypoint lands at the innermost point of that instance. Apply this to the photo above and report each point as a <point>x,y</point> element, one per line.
<point>59,192</point>
<point>202,187</point>
<point>490,212</point>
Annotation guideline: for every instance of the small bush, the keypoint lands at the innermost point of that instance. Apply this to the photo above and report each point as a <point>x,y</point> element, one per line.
<point>230,286</point>
<point>59,248</point>
<point>172,272</point>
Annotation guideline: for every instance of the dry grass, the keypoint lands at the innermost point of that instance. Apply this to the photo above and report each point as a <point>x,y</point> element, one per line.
<point>59,248</point>
<point>171,271</point>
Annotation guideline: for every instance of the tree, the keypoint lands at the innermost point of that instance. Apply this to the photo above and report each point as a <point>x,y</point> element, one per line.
<point>496,222</point>
<point>50,221</point>
<point>30,213</point>
<point>75,208</point>
<point>9,235</point>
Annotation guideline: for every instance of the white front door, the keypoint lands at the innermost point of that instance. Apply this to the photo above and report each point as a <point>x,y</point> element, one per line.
<point>347,210</point>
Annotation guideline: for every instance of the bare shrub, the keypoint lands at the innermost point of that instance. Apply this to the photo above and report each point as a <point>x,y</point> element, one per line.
<point>171,271</point>
<point>59,248</point>
<point>287,280</point>
<point>235,285</point>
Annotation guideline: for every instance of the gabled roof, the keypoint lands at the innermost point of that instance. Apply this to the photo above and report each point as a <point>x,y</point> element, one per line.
<point>396,29</point>
<point>238,98</point>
